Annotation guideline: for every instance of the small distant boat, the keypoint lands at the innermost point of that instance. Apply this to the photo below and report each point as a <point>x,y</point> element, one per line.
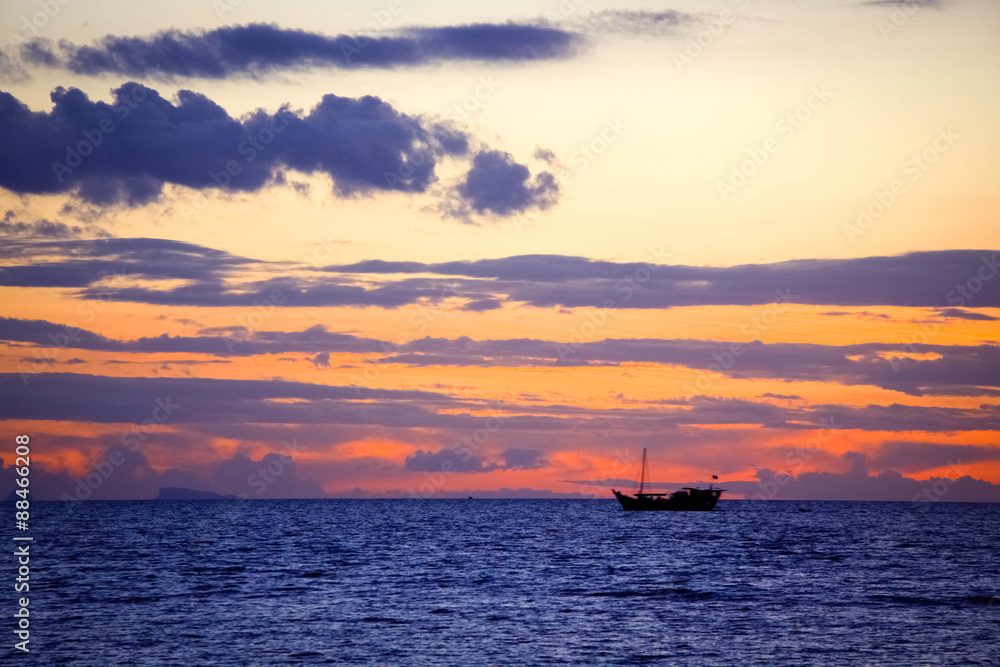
<point>688,499</point>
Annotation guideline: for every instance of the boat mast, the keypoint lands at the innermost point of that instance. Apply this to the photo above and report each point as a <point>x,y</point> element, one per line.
<point>643,473</point>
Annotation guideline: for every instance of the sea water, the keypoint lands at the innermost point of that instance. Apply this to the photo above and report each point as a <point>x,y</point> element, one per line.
<point>511,582</point>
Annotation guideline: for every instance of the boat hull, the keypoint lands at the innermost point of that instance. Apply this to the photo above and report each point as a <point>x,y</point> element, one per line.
<point>689,500</point>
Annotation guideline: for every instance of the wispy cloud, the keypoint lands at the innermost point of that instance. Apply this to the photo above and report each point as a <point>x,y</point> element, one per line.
<point>945,370</point>
<point>963,314</point>
<point>919,279</point>
<point>12,228</point>
<point>916,4</point>
<point>257,49</point>
<point>100,399</point>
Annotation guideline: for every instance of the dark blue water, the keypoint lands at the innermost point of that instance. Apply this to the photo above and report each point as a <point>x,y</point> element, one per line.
<point>493,582</point>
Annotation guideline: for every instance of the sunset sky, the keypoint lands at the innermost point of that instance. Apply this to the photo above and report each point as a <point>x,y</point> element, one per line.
<point>432,249</point>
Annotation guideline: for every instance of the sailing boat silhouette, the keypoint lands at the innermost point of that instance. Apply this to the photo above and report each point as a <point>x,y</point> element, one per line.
<point>687,499</point>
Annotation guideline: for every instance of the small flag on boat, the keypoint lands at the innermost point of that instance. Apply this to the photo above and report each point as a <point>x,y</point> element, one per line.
<point>715,477</point>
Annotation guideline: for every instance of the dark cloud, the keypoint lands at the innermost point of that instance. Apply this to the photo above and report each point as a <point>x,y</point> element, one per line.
<point>957,370</point>
<point>294,292</point>
<point>11,69</point>
<point>446,460</point>
<point>102,399</point>
<point>451,460</point>
<point>894,417</point>
<point>273,476</point>
<point>922,279</point>
<point>257,49</point>
<point>191,362</point>
<point>502,493</point>
<point>228,341</point>
<point>505,492</point>
<point>852,482</point>
<point>46,229</point>
<point>631,22</point>
<point>524,459</point>
<point>857,484</point>
<point>481,305</point>
<point>909,456</point>
<point>182,403</point>
<point>38,360</point>
<point>918,279</point>
<point>87,262</point>
<point>857,464</point>
<point>124,152</point>
<point>971,370</point>
<point>915,4</point>
<point>889,486</point>
<point>545,155</point>
<point>497,185</point>
<point>152,142</point>
<point>121,473</point>
<point>915,280</point>
<point>496,42</point>
<point>962,314</point>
